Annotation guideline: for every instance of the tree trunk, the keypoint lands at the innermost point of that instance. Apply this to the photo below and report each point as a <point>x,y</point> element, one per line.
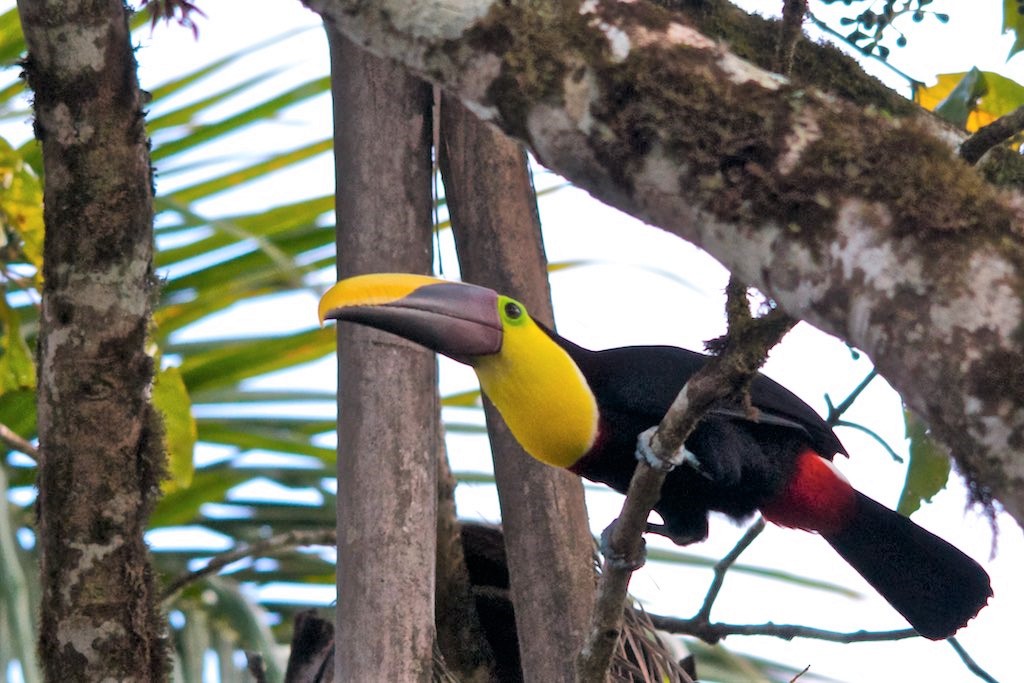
<point>859,220</point>
<point>388,419</point>
<point>550,551</point>
<point>101,453</point>
<point>460,633</point>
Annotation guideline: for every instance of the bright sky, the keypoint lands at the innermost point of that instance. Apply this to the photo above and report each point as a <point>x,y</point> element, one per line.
<point>638,274</point>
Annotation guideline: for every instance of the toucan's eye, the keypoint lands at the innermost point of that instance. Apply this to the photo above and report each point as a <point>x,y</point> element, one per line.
<point>512,310</point>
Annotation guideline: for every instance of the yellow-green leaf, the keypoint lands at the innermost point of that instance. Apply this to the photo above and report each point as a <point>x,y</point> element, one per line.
<point>1013,22</point>
<point>17,370</point>
<point>172,400</point>
<point>971,99</point>
<point>928,470</point>
<point>21,203</point>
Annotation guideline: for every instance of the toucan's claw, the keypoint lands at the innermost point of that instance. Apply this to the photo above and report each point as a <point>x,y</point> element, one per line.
<point>614,560</point>
<point>645,452</point>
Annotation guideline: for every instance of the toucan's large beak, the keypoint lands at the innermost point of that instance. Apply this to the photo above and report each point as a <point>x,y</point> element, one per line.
<point>456,319</point>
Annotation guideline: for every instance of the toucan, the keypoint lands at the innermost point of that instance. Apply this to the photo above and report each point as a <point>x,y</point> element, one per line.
<point>583,410</point>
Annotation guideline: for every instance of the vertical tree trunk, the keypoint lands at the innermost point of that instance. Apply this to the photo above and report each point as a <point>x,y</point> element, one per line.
<point>460,634</point>
<point>101,455</point>
<point>550,552</point>
<point>388,410</point>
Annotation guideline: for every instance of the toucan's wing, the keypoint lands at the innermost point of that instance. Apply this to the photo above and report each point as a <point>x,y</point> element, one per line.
<point>644,380</point>
<point>758,416</point>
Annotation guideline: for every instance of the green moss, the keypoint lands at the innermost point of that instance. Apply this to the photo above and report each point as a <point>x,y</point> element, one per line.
<point>1003,167</point>
<point>730,137</point>
<point>820,65</point>
<point>536,48</point>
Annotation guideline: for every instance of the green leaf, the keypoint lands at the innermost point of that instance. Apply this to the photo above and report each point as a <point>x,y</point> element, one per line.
<point>21,202</point>
<point>182,82</point>
<point>928,470</point>
<point>961,101</point>
<point>971,99</point>
<point>249,621</point>
<point>191,643</point>
<point>170,396</point>
<point>209,485</point>
<point>12,42</point>
<point>184,115</point>
<point>170,318</point>
<point>262,168</point>
<point>717,663</point>
<point>1013,22</point>
<point>261,112</point>
<point>463,399</point>
<point>17,370</point>
<point>263,224</point>
<point>15,600</point>
<point>264,435</point>
<point>18,411</point>
<point>233,361</point>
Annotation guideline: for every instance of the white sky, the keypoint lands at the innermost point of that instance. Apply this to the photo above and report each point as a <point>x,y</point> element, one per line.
<point>642,273</point>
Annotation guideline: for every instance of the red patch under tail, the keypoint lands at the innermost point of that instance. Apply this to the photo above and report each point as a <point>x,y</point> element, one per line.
<point>817,497</point>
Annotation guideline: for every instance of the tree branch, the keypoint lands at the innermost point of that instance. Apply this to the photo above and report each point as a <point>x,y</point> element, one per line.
<point>274,545</point>
<point>850,218</point>
<point>13,440</point>
<point>987,137</point>
<point>744,351</point>
<point>969,662</point>
<point>714,632</point>
<point>836,412</point>
<point>724,565</point>
<point>497,234</point>
<point>791,31</point>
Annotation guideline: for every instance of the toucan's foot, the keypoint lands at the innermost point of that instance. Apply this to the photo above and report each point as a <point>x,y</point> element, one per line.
<point>646,453</point>
<point>678,539</point>
<point>684,456</point>
<point>629,562</point>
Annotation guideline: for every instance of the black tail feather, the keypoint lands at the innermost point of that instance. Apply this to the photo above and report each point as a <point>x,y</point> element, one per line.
<point>933,585</point>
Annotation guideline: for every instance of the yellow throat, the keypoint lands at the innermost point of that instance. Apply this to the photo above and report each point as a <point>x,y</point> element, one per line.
<point>539,390</point>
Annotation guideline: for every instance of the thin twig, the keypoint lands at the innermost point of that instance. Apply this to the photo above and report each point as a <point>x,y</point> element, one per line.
<point>987,137</point>
<point>836,412</point>
<point>913,82</point>
<point>791,31</point>
<point>714,632</point>
<point>800,675</point>
<point>969,662</point>
<point>13,440</point>
<point>877,437</point>
<point>745,349</point>
<point>271,546</point>
<point>726,563</point>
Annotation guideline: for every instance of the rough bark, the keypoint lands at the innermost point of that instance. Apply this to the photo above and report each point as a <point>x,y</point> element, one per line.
<point>460,634</point>
<point>101,454</point>
<point>388,424</point>
<point>497,234</point>
<point>859,220</point>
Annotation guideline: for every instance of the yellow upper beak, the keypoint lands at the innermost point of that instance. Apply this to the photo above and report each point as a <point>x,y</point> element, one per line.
<point>453,318</point>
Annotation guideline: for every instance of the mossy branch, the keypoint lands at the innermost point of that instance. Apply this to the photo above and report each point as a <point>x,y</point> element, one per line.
<point>790,33</point>
<point>987,137</point>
